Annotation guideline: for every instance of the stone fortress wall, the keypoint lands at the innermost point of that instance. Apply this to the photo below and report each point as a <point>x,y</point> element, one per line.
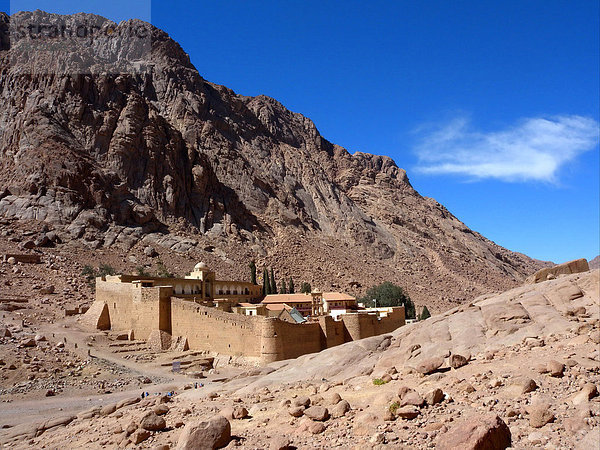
<point>124,304</point>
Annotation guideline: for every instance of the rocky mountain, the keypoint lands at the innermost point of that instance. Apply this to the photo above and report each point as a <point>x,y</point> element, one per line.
<point>595,263</point>
<point>119,143</point>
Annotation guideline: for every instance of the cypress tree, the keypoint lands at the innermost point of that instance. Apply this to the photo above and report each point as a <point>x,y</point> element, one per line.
<point>291,286</point>
<point>425,314</point>
<point>283,289</point>
<point>252,266</point>
<point>273,283</point>
<point>266,284</point>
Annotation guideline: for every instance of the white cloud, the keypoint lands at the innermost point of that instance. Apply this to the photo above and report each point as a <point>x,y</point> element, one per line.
<point>533,150</point>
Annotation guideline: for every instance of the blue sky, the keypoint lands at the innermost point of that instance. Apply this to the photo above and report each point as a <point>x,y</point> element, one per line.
<point>491,107</point>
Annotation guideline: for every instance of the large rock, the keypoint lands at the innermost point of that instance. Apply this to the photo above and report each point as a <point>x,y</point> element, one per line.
<point>476,433</point>
<point>319,413</point>
<point>547,273</point>
<point>153,422</point>
<point>540,413</point>
<point>205,435</point>
<point>429,365</point>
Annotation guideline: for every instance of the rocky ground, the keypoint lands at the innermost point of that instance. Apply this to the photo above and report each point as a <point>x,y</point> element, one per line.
<point>520,369</point>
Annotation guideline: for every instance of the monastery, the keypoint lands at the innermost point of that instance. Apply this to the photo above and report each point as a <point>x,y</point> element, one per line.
<point>232,317</point>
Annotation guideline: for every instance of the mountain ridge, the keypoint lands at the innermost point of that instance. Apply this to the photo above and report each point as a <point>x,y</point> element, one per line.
<point>156,149</point>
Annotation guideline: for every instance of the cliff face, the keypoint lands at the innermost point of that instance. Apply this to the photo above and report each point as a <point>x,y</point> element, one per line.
<point>140,141</point>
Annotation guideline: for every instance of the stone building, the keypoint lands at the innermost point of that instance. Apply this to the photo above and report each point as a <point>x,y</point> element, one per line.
<point>192,310</point>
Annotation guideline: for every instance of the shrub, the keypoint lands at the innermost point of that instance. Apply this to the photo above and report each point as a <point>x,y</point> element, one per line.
<point>378,381</point>
<point>394,407</point>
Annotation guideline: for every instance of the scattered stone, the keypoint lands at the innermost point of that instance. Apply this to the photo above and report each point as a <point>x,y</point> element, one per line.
<point>556,368</point>
<point>476,433</point>
<point>588,392</point>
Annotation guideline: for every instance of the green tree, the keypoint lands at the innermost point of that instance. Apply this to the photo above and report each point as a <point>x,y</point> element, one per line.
<point>252,266</point>
<point>141,271</point>
<point>273,283</point>
<point>425,314</point>
<point>105,269</point>
<point>162,271</point>
<point>389,294</point>
<point>291,286</point>
<point>283,288</point>
<point>305,288</point>
<point>266,284</point>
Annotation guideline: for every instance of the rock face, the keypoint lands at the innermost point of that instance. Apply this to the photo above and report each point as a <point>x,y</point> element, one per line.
<point>477,433</point>
<point>115,154</point>
<point>547,273</point>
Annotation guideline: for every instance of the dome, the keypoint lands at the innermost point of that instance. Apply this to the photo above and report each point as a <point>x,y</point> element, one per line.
<point>200,266</point>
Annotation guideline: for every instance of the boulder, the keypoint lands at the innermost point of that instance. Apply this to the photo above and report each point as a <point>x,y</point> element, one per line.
<point>140,436</point>
<point>153,422</point>
<point>575,266</point>
<point>239,412</point>
<point>434,396</point>
<point>333,398</point>
<point>407,412</point>
<point>279,443</point>
<point>522,386</point>
<point>47,290</point>
<point>319,413</point>
<point>555,368</point>
<point>429,365</point>
<point>476,433</point>
<point>301,401</point>
<point>588,392</point>
<point>160,410</point>
<point>412,398</point>
<point>205,435</point>
<point>340,409</point>
<point>296,411</point>
<point>540,414</point>
<point>457,361</point>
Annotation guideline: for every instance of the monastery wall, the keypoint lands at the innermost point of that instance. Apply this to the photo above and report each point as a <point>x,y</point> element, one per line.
<point>284,340</point>
<point>214,330</point>
<point>145,309</point>
<point>134,308</point>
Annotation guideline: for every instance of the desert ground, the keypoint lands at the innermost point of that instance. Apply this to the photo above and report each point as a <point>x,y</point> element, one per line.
<point>519,369</point>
